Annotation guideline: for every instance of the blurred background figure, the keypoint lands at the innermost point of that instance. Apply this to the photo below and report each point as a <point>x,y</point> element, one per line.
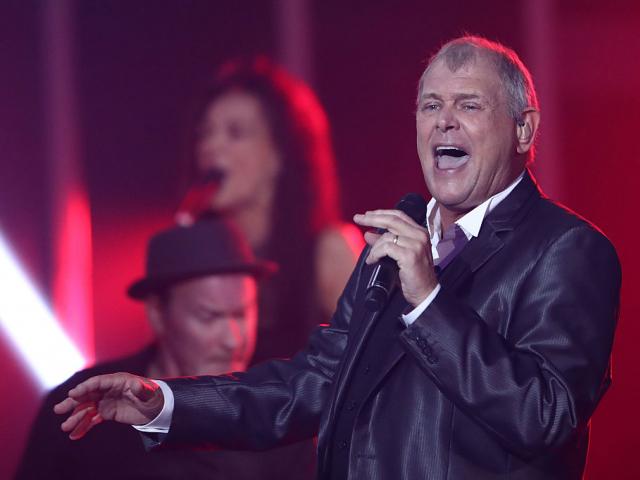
<point>261,154</point>
<point>200,296</point>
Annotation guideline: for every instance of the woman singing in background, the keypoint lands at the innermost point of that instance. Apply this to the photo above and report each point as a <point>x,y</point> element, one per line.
<point>264,137</point>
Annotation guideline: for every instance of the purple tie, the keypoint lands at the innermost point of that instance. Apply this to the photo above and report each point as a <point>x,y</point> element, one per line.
<point>452,242</point>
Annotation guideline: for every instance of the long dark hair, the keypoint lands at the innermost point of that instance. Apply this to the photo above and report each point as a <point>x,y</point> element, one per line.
<point>306,193</point>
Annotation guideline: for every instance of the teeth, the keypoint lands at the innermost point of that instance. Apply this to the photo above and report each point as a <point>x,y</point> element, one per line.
<point>450,157</point>
<point>450,151</point>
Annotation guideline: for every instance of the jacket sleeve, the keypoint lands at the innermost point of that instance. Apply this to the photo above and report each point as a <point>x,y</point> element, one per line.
<point>537,383</point>
<point>272,403</point>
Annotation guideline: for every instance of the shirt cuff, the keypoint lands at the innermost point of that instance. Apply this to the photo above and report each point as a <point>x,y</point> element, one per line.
<point>162,422</point>
<point>413,315</point>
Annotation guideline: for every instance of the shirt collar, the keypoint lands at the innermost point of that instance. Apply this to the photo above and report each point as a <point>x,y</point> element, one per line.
<point>471,222</point>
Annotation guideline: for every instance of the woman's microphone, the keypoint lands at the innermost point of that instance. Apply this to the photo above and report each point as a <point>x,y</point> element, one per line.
<point>197,200</point>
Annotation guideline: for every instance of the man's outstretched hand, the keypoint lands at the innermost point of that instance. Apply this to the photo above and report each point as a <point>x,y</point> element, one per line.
<point>122,397</point>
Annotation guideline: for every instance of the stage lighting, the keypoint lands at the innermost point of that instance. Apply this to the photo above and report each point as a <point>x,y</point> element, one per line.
<point>31,327</point>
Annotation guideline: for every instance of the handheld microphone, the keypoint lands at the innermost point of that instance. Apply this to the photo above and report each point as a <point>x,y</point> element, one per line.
<point>198,198</point>
<point>384,278</point>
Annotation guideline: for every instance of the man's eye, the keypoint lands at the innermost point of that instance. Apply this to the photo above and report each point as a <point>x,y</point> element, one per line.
<point>430,107</point>
<point>208,317</point>
<point>470,106</point>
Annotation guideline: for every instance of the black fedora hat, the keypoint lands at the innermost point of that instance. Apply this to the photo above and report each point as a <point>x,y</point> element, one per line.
<point>209,246</point>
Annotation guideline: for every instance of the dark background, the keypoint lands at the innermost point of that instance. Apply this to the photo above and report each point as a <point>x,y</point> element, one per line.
<point>138,67</point>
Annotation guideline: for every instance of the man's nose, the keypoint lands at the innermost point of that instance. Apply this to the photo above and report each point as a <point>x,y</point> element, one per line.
<point>231,335</point>
<point>447,119</point>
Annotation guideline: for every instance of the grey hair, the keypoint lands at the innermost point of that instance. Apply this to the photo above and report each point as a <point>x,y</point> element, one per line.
<point>516,79</point>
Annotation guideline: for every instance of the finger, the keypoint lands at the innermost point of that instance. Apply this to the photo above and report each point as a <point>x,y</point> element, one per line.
<point>401,250</point>
<point>384,249</point>
<point>77,416</point>
<point>369,216</point>
<point>379,219</point>
<point>143,389</point>
<point>379,239</point>
<point>387,219</point>
<point>390,237</point>
<point>94,388</point>
<point>83,389</point>
<point>390,211</point>
<point>65,406</point>
<point>82,426</point>
<point>394,221</point>
<point>413,232</point>
<point>89,420</point>
<point>371,237</point>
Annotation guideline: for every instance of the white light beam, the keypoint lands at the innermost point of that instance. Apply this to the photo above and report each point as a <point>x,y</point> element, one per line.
<point>32,328</point>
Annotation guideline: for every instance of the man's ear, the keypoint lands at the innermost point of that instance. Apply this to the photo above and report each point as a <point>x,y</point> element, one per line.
<point>526,129</point>
<point>155,314</point>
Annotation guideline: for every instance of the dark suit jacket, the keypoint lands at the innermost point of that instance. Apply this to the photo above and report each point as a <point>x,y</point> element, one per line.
<point>498,378</point>
<point>114,451</point>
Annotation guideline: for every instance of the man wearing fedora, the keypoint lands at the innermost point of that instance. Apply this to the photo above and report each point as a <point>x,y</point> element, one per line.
<point>200,294</point>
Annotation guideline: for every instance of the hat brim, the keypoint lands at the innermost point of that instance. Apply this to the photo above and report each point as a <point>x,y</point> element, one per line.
<point>144,287</point>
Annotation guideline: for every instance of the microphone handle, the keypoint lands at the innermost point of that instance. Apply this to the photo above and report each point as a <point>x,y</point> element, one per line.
<point>383,281</point>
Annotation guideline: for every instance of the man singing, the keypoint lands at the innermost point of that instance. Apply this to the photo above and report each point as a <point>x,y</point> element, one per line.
<point>489,359</point>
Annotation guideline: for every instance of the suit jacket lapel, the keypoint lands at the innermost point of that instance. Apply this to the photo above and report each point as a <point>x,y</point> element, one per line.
<point>354,348</point>
<point>394,351</point>
<point>392,312</point>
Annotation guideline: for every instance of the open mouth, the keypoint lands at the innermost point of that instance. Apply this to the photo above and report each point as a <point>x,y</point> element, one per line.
<point>449,157</point>
<point>213,175</point>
